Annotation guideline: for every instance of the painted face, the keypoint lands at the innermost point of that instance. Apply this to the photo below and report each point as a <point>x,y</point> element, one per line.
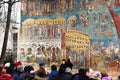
<point>89,73</point>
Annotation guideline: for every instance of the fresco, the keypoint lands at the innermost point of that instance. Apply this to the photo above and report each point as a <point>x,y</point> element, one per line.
<point>82,30</point>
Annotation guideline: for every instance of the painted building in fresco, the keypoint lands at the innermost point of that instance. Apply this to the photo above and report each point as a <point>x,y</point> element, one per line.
<point>77,40</point>
<point>82,30</point>
<point>77,46</point>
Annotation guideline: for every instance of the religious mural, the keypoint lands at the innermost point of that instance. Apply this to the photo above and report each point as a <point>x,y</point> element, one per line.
<point>82,30</point>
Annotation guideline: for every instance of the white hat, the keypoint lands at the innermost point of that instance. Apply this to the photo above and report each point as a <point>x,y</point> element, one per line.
<point>7,64</point>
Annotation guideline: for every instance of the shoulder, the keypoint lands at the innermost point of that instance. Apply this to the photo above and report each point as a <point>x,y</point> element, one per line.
<point>41,78</point>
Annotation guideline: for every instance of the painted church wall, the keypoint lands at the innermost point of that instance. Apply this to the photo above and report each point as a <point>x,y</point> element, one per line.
<point>82,30</point>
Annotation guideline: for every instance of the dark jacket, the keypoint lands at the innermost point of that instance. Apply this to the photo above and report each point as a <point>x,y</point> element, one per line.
<point>16,75</point>
<point>23,75</point>
<point>68,75</point>
<point>44,77</point>
<point>69,64</point>
<point>63,66</point>
<point>83,77</point>
<point>53,74</point>
<point>75,76</point>
<point>60,77</point>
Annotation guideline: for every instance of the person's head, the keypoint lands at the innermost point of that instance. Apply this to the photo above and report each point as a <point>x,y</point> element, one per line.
<point>68,69</point>
<point>104,73</point>
<point>89,72</point>
<point>28,68</point>
<point>81,70</point>
<point>41,72</point>
<point>63,61</point>
<point>19,68</point>
<point>42,65</point>
<point>3,71</point>
<point>68,60</point>
<point>7,64</point>
<point>53,67</point>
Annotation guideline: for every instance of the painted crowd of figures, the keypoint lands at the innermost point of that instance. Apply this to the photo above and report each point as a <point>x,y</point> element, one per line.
<point>51,55</point>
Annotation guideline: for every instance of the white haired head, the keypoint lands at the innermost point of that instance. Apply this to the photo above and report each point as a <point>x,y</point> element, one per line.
<point>68,69</point>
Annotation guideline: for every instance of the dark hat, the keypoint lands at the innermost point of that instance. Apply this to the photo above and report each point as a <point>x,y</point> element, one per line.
<point>41,64</point>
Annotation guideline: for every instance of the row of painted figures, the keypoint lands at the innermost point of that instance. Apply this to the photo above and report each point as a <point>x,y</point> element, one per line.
<point>53,56</point>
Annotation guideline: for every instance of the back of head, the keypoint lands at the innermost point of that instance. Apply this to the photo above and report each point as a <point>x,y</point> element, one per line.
<point>53,67</point>
<point>81,70</point>
<point>19,68</point>
<point>86,70</point>
<point>28,68</point>
<point>3,71</point>
<point>68,69</point>
<point>68,60</point>
<point>42,65</point>
<point>104,73</point>
<point>41,72</point>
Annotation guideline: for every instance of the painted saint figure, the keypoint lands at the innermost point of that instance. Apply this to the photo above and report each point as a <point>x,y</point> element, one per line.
<point>49,51</point>
<point>69,55</point>
<point>22,55</point>
<point>39,56</point>
<point>54,56</point>
<point>44,55</point>
<point>82,58</point>
<point>58,54</point>
<point>29,55</point>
